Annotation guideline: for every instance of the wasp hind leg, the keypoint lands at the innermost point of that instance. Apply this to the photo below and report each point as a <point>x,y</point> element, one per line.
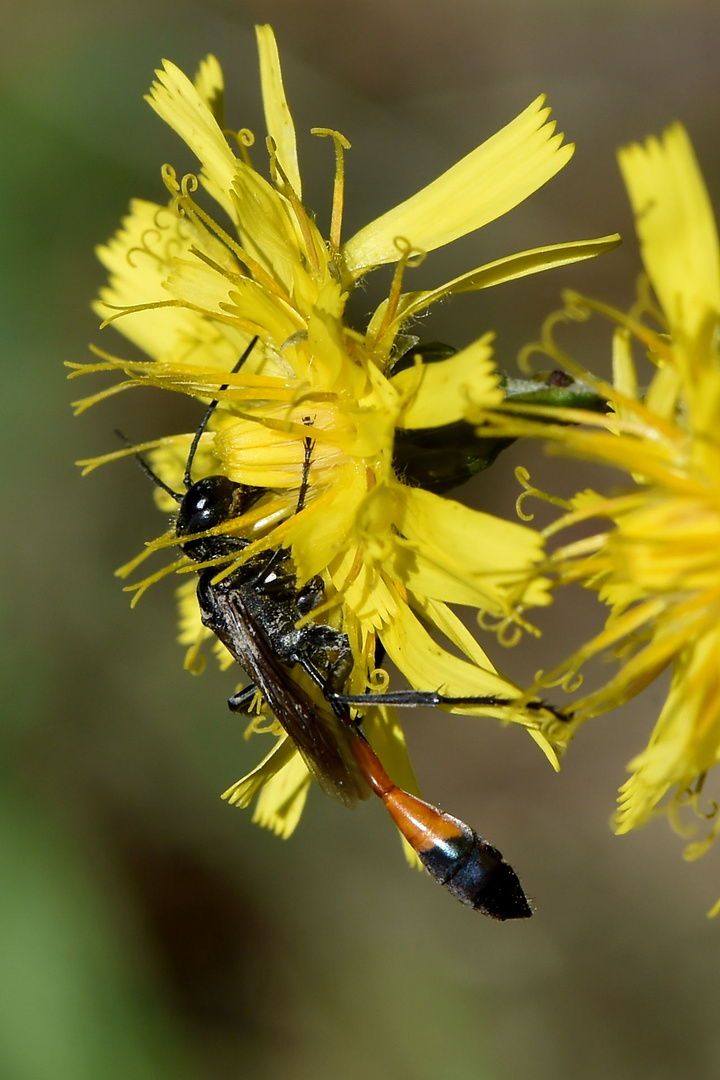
<point>432,699</point>
<point>241,701</point>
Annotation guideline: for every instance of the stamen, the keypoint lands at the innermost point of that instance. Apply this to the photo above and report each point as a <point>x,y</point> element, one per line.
<point>657,343</point>
<point>378,680</point>
<point>143,248</point>
<point>183,203</point>
<point>264,723</point>
<point>82,404</point>
<point>645,303</point>
<point>570,680</point>
<point>162,242</point>
<point>341,143</point>
<point>579,308</point>
<point>131,309</point>
<point>507,628</point>
<point>508,633</point>
<point>244,138</point>
<point>409,256</point>
<point>300,214</point>
<point>522,476</point>
<point>141,587</point>
<point>352,574</point>
<point>547,345</point>
<point>167,539</point>
<point>88,465</point>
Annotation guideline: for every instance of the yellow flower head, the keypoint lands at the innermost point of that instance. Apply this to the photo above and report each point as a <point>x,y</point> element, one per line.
<point>193,293</point>
<point>658,566</point>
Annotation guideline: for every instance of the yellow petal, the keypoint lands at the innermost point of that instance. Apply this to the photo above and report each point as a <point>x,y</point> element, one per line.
<point>676,227</point>
<point>485,184</point>
<point>255,306</point>
<point>140,257</point>
<point>546,747</point>
<point>267,228</point>
<point>210,85</point>
<point>325,530</point>
<point>196,283</point>
<point>278,119</point>
<point>258,456</point>
<point>382,729</point>
<point>243,791</point>
<point>509,268</point>
<point>439,393</point>
<point>427,666</point>
<point>178,103</point>
<point>686,739</point>
<point>282,798</point>
<point>438,615</point>
<point>624,371</point>
<point>459,555</point>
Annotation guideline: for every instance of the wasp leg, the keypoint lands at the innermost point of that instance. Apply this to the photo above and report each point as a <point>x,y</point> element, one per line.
<point>339,672</point>
<point>415,698</point>
<point>240,702</point>
<point>432,699</point>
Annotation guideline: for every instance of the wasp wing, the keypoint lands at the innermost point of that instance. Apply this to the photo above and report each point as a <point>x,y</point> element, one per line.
<point>321,738</point>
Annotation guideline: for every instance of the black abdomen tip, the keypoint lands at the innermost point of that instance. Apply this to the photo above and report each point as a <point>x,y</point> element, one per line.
<point>477,875</point>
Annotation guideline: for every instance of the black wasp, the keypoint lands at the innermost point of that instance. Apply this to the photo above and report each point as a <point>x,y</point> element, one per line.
<point>255,611</point>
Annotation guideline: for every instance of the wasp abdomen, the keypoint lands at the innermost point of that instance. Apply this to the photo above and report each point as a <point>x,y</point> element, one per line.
<point>466,865</point>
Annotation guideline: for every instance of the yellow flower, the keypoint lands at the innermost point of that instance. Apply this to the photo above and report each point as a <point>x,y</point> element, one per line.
<point>658,565</point>
<point>192,293</point>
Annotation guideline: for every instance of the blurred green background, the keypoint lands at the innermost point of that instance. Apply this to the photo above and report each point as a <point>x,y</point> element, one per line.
<point>146,929</point>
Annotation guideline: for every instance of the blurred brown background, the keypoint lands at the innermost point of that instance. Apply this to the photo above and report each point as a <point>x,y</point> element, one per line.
<point>146,929</point>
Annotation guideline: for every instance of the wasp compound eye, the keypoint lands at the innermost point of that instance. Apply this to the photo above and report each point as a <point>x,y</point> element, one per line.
<point>210,502</point>
<point>206,504</point>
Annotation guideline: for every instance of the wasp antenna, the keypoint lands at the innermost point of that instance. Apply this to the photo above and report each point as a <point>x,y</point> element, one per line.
<point>148,471</point>
<point>208,413</point>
